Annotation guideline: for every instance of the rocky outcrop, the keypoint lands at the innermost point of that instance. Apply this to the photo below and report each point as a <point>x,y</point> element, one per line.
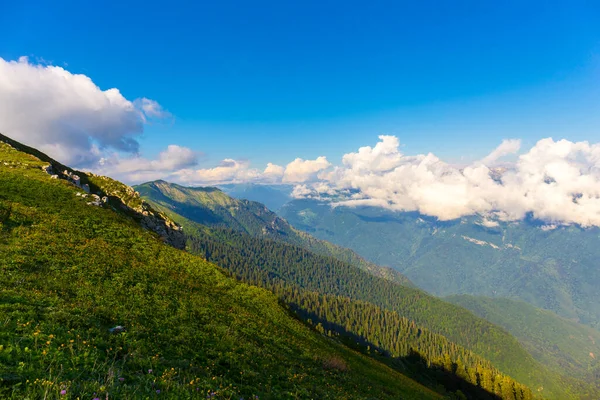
<point>96,201</point>
<point>171,232</point>
<point>129,202</point>
<point>101,191</point>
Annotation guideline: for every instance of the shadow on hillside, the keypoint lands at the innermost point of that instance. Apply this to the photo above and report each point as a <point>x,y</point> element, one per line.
<point>413,365</point>
<point>10,220</point>
<point>198,214</point>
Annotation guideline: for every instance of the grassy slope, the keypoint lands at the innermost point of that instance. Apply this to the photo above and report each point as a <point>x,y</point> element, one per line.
<point>455,323</point>
<point>563,345</point>
<point>211,207</point>
<point>70,271</point>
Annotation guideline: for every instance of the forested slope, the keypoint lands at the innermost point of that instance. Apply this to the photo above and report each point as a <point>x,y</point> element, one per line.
<point>564,346</point>
<point>211,207</point>
<point>547,265</point>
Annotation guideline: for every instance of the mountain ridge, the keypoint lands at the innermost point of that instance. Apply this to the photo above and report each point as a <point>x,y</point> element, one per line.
<point>211,206</point>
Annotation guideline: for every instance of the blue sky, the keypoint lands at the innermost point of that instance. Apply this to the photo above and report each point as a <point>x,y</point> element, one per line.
<point>270,81</point>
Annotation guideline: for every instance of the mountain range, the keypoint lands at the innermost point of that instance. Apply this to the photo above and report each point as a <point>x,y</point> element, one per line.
<point>416,305</point>
<point>185,292</point>
<point>550,266</point>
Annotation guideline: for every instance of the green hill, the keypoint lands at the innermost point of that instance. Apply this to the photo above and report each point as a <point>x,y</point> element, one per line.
<point>565,346</point>
<point>273,264</point>
<point>72,271</point>
<point>211,207</point>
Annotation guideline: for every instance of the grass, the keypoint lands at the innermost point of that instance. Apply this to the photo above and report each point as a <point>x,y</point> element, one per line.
<point>70,272</point>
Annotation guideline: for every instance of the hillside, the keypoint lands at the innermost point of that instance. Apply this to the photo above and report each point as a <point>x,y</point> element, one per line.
<point>550,267</point>
<point>272,264</point>
<point>562,345</point>
<point>73,273</point>
<point>211,207</point>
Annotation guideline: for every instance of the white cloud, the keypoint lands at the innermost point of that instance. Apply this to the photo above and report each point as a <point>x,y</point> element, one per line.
<point>508,146</point>
<point>151,108</point>
<point>301,170</point>
<point>176,157</point>
<point>69,117</point>
<point>302,191</point>
<point>488,223</point>
<point>66,115</point>
<point>139,169</point>
<point>383,157</point>
<point>227,171</point>
<point>274,171</point>
<point>555,181</point>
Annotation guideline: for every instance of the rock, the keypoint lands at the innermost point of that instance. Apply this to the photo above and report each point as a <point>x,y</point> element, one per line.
<point>86,188</point>
<point>117,329</point>
<point>96,201</point>
<point>170,232</point>
<point>48,169</point>
<point>54,176</point>
<point>105,199</point>
<point>76,180</point>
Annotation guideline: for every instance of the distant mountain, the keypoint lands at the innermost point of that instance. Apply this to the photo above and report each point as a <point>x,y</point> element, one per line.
<point>95,304</point>
<point>551,267</point>
<point>332,294</point>
<point>212,207</point>
<point>564,346</point>
<point>272,196</point>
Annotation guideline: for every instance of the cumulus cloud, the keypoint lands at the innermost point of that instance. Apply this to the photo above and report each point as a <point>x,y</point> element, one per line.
<point>176,157</point>
<point>274,171</point>
<point>303,191</point>
<point>151,108</point>
<point>139,169</point>
<point>68,116</point>
<point>385,156</point>
<point>555,181</point>
<point>488,223</point>
<point>176,164</point>
<point>301,170</point>
<point>508,146</point>
<point>228,171</point>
